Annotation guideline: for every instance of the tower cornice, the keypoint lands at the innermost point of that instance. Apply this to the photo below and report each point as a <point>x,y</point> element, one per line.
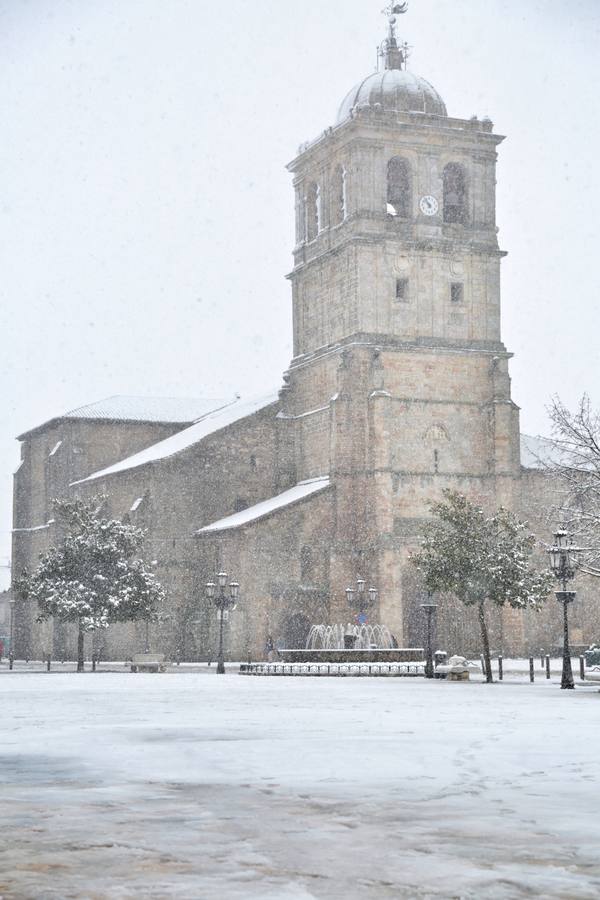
<point>387,342</point>
<point>364,122</point>
<point>441,246</point>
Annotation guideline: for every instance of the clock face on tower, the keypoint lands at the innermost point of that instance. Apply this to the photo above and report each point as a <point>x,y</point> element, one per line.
<point>429,205</point>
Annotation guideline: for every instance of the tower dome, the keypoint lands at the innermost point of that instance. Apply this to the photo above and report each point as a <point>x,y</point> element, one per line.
<point>393,90</point>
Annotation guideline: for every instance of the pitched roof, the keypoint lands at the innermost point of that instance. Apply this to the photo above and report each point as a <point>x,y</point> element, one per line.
<point>538,452</point>
<point>4,574</point>
<point>208,424</point>
<point>147,409</point>
<point>300,491</point>
<point>124,408</point>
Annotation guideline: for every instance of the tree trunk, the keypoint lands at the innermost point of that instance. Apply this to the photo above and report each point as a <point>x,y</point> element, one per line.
<point>80,659</point>
<point>486,643</point>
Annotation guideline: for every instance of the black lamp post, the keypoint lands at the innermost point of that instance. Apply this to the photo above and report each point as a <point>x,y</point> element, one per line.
<point>359,598</point>
<point>561,561</point>
<point>11,649</point>
<point>223,601</point>
<point>429,609</point>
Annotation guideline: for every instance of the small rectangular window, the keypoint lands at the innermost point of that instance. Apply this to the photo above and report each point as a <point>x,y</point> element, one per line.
<point>456,292</point>
<point>402,289</point>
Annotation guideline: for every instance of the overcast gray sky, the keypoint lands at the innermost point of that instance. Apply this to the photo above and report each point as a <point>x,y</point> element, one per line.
<point>146,216</point>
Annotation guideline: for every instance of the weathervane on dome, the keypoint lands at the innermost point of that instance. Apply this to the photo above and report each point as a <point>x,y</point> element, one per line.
<point>394,55</point>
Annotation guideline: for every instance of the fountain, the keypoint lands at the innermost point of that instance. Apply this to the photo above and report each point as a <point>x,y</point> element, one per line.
<point>357,637</point>
<point>353,649</point>
<point>357,643</point>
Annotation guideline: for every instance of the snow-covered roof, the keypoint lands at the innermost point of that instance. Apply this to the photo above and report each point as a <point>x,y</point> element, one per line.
<point>394,90</point>
<point>300,491</point>
<point>208,424</point>
<point>4,574</point>
<point>537,452</point>
<point>34,528</point>
<point>123,408</point>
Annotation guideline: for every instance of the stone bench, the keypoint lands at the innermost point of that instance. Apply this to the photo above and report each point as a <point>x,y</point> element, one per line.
<point>593,674</point>
<point>148,662</point>
<point>456,669</point>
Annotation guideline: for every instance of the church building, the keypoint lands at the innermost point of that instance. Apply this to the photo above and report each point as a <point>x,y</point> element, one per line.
<point>398,388</point>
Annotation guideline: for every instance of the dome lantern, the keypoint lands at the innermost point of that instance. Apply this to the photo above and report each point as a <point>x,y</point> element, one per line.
<point>393,88</point>
<point>393,55</point>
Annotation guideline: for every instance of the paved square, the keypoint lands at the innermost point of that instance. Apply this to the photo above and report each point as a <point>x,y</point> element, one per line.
<point>196,786</point>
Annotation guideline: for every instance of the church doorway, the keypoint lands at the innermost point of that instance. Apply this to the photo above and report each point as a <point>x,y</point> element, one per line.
<point>295,631</point>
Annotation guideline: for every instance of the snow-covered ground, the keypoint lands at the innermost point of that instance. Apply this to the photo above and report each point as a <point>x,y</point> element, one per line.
<point>197,786</point>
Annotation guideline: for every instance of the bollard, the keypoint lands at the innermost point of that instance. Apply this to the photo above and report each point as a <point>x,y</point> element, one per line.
<point>93,662</point>
<point>48,661</point>
<point>531,670</point>
<point>542,658</point>
<point>547,666</point>
<point>582,667</point>
<point>500,669</point>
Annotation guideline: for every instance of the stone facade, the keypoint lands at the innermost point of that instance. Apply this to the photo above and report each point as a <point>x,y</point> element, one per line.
<point>398,388</point>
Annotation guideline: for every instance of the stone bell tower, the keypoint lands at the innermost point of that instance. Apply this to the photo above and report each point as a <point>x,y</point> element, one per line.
<point>396,311</point>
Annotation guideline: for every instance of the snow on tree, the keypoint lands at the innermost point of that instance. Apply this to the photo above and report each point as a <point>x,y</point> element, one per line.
<point>575,460</point>
<point>94,577</point>
<point>480,558</point>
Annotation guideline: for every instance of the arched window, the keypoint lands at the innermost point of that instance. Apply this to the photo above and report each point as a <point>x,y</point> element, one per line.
<point>295,631</point>
<point>455,194</point>
<point>312,208</point>
<point>339,208</point>
<point>399,194</point>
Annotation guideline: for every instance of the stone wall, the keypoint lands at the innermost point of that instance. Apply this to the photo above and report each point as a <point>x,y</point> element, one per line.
<point>52,458</point>
<point>227,471</point>
<point>282,563</point>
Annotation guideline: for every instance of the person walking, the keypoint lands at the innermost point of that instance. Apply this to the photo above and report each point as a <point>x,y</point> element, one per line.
<point>270,648</point>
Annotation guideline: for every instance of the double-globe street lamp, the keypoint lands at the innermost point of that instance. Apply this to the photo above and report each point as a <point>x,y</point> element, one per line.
<point>224,602</point>
<point>562,564</point>
<point>359,598</point>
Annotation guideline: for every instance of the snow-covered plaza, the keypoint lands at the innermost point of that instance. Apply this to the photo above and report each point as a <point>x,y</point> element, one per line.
<point>194,786</point>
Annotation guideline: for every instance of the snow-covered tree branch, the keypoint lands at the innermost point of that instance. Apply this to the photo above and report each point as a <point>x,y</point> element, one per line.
<point>480,558</point>
<point>94,576</point>
<point>575,460</point>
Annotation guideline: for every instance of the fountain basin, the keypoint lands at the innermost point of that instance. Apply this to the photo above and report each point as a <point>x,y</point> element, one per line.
<point>366,654</point>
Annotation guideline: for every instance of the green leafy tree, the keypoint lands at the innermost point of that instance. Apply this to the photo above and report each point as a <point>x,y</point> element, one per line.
<point>480,559</point>
<point>94,577</point>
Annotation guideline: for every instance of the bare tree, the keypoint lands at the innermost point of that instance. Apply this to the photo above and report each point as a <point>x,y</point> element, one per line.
<point>575,460</point>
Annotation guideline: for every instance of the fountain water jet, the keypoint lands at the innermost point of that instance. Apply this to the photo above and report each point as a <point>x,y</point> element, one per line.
<point>363,637</point>
<point>352,644</point>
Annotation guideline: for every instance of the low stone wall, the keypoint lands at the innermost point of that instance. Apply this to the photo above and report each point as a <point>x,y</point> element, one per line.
<point>397,654</point>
